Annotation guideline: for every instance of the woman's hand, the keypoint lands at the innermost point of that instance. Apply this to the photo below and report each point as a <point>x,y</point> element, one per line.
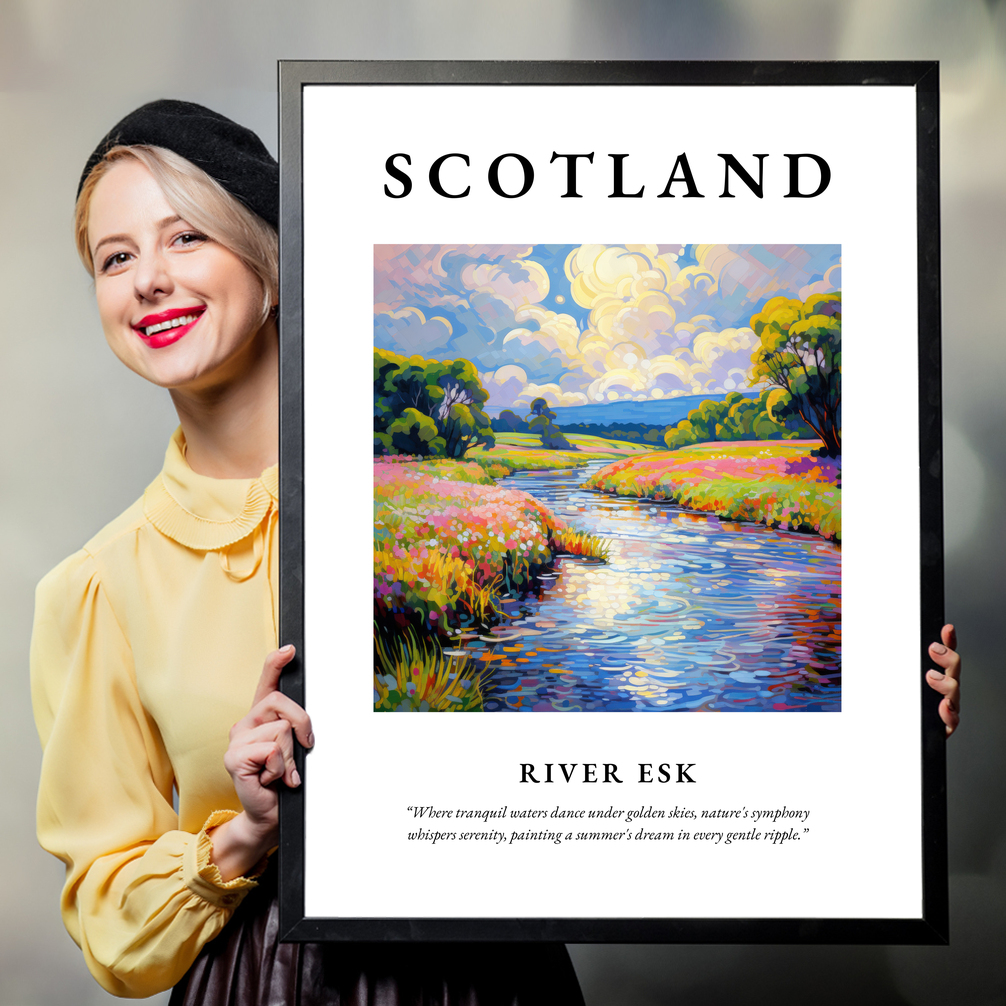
<point>260,753</point>
<point>947,682</point>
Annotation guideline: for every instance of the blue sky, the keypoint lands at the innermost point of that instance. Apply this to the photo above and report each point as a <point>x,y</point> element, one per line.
<point>580,324</point>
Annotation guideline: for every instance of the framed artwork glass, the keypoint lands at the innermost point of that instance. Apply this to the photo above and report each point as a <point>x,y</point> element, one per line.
<point>564,398</point>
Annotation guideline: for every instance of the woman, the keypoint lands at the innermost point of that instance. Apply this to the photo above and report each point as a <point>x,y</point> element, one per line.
<point>149,642</point>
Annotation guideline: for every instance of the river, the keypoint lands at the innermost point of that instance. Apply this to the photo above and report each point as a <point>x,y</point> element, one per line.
<point>690,612</point>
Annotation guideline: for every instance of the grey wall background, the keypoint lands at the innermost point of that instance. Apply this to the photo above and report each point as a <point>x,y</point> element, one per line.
<point>82,436</point>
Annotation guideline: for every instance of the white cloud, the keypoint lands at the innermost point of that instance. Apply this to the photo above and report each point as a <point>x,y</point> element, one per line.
<point>515,282</point>
<point>410,327</point>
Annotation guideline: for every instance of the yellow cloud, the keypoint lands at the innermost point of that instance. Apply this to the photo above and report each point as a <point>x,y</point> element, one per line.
<point>598,272</point>
<point>631,380</point>
<point>552,394</point>
<point>633,293</point>
<point>556,332</point>
<point>712,346</point>
<point>675,366</point>
<point>633,344</point>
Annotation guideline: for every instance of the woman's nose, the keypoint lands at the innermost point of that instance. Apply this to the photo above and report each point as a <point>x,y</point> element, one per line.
<point>152,277</point>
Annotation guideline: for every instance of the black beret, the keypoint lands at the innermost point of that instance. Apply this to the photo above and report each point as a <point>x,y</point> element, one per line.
<point>231,154</point>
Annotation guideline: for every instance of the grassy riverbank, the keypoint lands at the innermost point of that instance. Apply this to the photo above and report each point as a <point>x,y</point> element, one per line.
<point>778,483</point>
<point>449,547</point>
<point>584,444</point>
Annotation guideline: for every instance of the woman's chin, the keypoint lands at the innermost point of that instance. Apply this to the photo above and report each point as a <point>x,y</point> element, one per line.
<point>173,374</point>
<point>194,365</point>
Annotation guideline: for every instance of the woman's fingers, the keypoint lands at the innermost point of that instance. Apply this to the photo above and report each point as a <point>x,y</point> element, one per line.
<point>947,686</point>
<point>270,703</point>
<point>949,661</point>
<point>271,671</point>
<point>278,735</point>
<point>949,689</point>
<point>949,636</point>
<point>277,706</point>
<point>947,680</point>
<point>274,766</point>
<point>261,749</point>
<point>259,761</point>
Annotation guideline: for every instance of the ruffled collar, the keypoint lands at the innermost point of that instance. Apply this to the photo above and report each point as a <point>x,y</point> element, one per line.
<point>203,513</point>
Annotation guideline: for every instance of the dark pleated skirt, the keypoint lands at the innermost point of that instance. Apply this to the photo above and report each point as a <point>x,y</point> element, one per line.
<point>246,965</point>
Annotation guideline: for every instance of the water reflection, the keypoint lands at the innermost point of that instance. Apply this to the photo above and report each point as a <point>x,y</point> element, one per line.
<point>690,612</point>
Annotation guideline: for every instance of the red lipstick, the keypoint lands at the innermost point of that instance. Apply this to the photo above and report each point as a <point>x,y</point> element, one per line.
<point>166,327</point>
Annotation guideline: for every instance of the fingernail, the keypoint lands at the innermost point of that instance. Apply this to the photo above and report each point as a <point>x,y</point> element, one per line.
<point>937,675</point>
<point>295,777</point>
<point>286,649</point>
<point>310,740</point>
<point>938,648</point>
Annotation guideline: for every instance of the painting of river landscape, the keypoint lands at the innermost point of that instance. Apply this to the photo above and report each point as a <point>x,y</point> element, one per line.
<point>607,478</point>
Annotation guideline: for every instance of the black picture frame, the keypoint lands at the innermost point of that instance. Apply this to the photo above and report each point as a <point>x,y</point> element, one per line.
<point>932,926</point>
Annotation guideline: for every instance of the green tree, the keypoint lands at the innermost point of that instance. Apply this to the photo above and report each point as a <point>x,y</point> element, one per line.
<point>414,433</point>
<point>508,421</point>
<point>540,421</point>
<point>735,418</point>
<point>698,428</point>
<point>801,358</point>
<point>428,407</point>
<point>462,429</point>
<point>682,435</point>
<point>738,417</point>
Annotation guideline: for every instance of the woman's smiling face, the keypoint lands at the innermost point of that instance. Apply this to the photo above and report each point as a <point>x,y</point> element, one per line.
<point>177,308</point>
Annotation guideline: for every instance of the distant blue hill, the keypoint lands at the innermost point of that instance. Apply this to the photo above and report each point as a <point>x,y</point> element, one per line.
<point>652,412</point>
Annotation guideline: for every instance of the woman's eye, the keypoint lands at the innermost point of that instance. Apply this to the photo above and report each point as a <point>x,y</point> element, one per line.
<point>190,238</point>
<point>114,261</point>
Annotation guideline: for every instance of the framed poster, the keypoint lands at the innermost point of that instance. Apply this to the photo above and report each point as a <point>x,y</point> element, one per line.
<point>603,515</point>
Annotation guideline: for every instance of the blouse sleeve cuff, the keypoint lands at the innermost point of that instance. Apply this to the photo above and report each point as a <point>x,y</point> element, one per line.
<point>202,876</point>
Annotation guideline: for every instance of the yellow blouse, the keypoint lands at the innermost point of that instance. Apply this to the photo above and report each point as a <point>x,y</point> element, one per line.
<point>147,647</point>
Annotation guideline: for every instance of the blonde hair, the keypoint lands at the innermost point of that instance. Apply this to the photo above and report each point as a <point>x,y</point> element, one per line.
<point>199,200</point>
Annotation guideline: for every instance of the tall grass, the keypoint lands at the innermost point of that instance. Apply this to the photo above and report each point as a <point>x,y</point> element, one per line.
<point>412,674</point>
<point>569,541</point>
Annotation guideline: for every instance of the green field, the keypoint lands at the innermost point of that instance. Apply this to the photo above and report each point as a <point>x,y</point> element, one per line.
<point>585,441</point>
<point>523,452</point>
